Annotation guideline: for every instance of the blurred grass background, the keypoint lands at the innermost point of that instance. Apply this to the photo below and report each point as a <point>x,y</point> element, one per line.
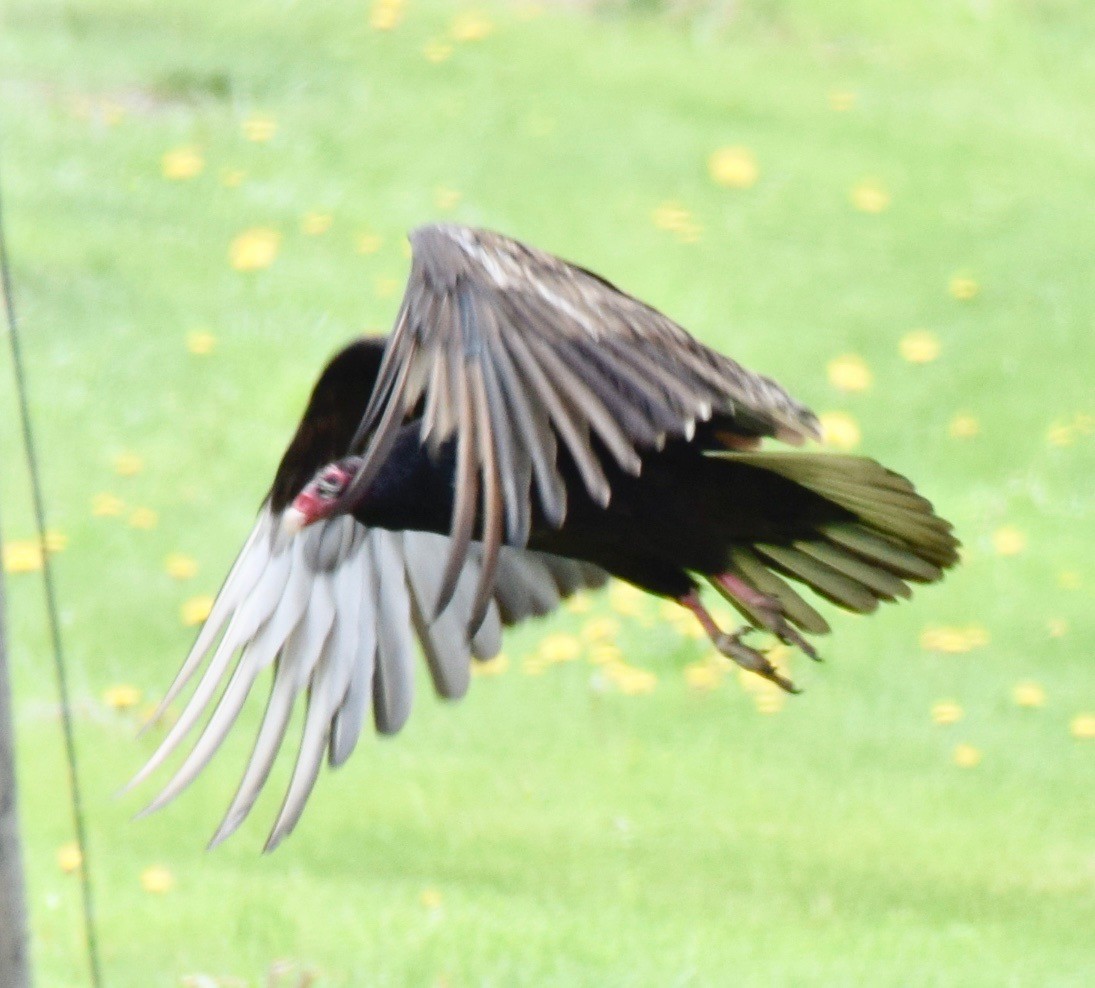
<point>891,168</point>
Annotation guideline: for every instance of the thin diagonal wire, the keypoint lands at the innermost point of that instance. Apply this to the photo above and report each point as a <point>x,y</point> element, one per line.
<point>90,937</point>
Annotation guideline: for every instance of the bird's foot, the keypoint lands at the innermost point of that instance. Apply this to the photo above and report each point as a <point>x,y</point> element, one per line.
<point>731,645</point>
<point>768,610</point>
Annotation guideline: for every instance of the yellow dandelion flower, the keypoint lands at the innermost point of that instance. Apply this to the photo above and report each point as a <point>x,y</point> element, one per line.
<point>706,674</point>
<point>232,178</point>
<point>840,430</point>
<point>195,610</point>
<point>22,557</point>
<point>733,168</point>
<point>626,599</point>
<point>445,198</point>
<point>964,426</point>
<point>966,756</point>
<point>681,621</point>
<point>638,683</point>
<point>672,216</point>
<point>1069,579</point>
<point>69,858</point>
<point>128,464</point>
<point>533,665</point>
<point>200,342</point>
<point>954,641</point>
<point>430,898</point>
<point>605,654</point>
<point>1057,627</point>
<point>579,603</point>
<point>144,518</point>
<point>841,100</point>
<point>689,627</point>
<point>471,26</point>
<point>946,712</point>
<point>600,629</point>
<point>1082,727</point>
<point>849,372</point>
<point>921,346</point>
<point>437,51</point>
<point>1029,694</point>
<point>180,567</point>
<point>491,667</point>
<point>254,249</point>
<point>1008,541</point>
<point>385,286</point>
<point>55,541</point>
<point>384,17</point>
<point>182,164</point>
<point>770,701</point>
<point>385,14</point>
<point>944,640</point>
<point>560,648</point>
<point>259,128</point>
<point>629,680</point>
<point>870,196</point>
<point>121,697</point>
<point>106,505</point>
<point>157,880</point>
<point>314,224</point>
<point>368,243</point>
<point>1060,434</point>
<point>963,287</point>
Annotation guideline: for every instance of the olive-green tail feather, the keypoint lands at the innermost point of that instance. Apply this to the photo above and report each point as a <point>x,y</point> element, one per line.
<point>894,536</point>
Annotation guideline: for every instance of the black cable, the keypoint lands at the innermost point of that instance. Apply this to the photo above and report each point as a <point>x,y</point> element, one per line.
<point>51,612</point>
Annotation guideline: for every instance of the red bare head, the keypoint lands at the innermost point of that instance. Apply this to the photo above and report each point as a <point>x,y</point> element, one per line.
<point>321,495</point>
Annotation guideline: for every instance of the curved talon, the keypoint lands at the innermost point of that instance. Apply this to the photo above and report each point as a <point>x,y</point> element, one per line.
<point>752,659</point>
<point>731,645</point>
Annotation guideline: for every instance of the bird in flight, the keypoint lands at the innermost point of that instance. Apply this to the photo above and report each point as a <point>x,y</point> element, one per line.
<point>526,431</point>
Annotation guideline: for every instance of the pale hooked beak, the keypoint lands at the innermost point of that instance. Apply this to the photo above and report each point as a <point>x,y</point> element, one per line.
<point>293,520</point>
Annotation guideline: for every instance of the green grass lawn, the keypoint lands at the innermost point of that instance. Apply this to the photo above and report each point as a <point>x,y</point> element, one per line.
<point>552,829</point>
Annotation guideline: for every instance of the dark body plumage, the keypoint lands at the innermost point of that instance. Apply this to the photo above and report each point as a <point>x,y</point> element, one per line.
<point>683,514</point>
<point>525,431</point>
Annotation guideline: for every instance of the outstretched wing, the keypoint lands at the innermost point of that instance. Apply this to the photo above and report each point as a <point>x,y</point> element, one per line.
<point>335,611</point>
<point>511,350</point>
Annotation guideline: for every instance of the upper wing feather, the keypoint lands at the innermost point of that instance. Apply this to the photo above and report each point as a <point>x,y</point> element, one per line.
<point>512,351</point>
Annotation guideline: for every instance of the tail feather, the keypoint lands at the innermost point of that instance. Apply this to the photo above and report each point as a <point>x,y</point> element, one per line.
<point>840,589</point>
<point>753,570</point>
<point>879,581</point>
<point>895,536</point>
<point>894,556</point>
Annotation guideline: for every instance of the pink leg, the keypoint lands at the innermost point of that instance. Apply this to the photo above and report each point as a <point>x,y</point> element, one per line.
<point>731,645</point>
<point>768,609</point>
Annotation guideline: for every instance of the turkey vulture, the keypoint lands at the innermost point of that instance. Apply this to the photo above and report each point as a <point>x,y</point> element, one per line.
<point>525,431</point>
